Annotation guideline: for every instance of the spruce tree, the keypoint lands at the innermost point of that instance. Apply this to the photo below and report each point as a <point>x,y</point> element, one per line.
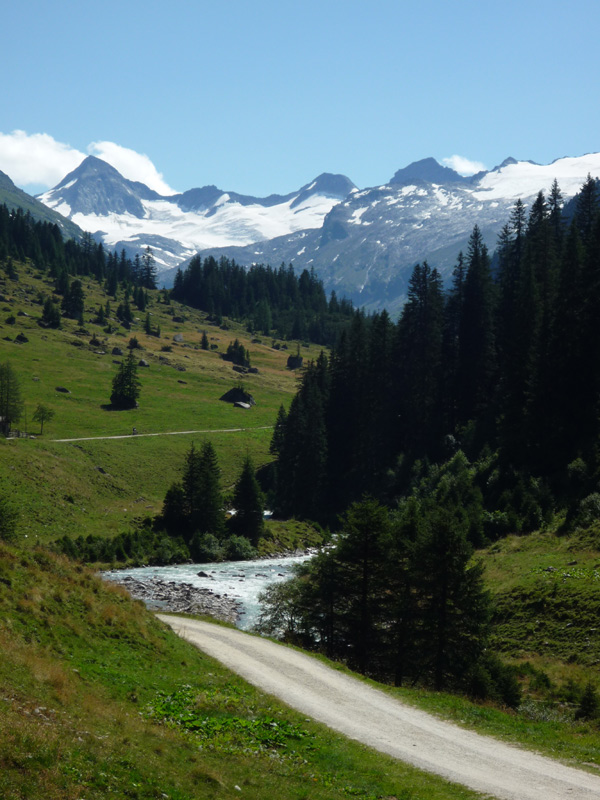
<point>453,605</point>
<point>278,432</point>
<point>126,384</point>
<point>11,403</point>
<point>203,501</point>
<point>419,353</point>
<point>477,336</point>
<point>249,504</point>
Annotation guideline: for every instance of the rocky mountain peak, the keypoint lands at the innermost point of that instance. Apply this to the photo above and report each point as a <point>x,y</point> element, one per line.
<point>427,170</point>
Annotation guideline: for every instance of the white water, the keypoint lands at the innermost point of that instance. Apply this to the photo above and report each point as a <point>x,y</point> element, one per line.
<point>241,580</point>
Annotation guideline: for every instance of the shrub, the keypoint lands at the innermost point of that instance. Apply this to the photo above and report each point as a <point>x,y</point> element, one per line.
<point>589,706</point>
<point>205,547</point>
<point>238,548</point>
<point>588,511</point>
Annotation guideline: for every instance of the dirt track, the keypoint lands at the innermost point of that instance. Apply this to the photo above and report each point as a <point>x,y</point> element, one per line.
<point>375,719</point>
<point>163,433</point>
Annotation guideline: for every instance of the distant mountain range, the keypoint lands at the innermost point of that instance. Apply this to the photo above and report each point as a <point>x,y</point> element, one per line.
<point>362,243</point>
<point>124,213</point>
<point>369,243</point>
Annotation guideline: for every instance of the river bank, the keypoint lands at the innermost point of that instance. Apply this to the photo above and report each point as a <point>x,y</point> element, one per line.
<point>227,591</point>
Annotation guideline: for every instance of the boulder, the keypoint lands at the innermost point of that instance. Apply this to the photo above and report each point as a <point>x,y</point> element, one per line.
<point>143,363</point>
<point>62,389</point>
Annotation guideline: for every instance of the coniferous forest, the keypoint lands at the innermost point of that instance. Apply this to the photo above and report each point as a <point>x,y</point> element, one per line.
<point>475,415</point>
<point>271,300</point>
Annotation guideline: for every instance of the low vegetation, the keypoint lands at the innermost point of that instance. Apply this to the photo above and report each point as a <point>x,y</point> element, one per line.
<point>98,699</point>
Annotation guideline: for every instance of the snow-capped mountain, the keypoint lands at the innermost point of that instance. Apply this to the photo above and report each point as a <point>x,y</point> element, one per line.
<point>363,243</point>
<point>124,213</point>
<point>369,243</point>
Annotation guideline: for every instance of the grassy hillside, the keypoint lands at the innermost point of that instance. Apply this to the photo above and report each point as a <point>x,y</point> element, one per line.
<point>100,486</point>
<point>547,598</point>
<point>13,197</point>
<point>98,699</point>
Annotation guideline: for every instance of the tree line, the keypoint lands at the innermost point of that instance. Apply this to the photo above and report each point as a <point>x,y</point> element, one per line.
<point>269,300</point>
<point>504,366</point>
<point>473,416</point>
<point>22,238</point>
<point>194,522</point>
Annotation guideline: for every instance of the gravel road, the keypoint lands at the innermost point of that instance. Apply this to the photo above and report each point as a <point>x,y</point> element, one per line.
<point>379,721</point>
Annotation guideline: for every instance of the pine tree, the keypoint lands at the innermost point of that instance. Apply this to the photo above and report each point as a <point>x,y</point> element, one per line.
<point>278,432</point>
<point>73,300</point>
<point>477,338</point>
<point>126,384</point>
<point>362,559</point>
<point>249,504</point>
<point>11,403</point>
<point>51,315</point>
<point>419,353</point>
<point>147,276</point>
<point>453,612</point>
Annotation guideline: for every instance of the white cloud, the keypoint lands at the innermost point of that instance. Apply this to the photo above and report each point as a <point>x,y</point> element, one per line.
<point>133,166</point>
<point>37,160</point>
<point>464,166</point>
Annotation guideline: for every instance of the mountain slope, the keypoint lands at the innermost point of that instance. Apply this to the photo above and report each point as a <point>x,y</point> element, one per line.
<point>128,214</point>
<point>13,197</point>
<point>369,243</point>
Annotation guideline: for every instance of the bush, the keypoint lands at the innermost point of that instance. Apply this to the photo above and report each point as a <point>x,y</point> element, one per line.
<point>588,511</point>
<point>490,678</point>
<point>238,548</point>
<point>589,706</point>
<point>205,547</point>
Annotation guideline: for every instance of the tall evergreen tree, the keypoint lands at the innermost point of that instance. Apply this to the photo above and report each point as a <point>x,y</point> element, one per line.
<point>11,402</point>
<point>420,333</point>
<point>249,504</point>
<point>453,603</point>
<point>477,336</point>
<point>126,384</point>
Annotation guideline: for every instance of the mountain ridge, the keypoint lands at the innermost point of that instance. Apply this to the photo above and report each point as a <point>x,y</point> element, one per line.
<point>127,214</point>
<point>362,242</point>
<point>15,198</point>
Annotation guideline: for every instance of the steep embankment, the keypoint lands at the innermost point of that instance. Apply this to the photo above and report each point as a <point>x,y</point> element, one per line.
<point>98,699</point>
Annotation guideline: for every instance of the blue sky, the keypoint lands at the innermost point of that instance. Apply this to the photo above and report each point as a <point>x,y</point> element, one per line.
<point>260,97</point>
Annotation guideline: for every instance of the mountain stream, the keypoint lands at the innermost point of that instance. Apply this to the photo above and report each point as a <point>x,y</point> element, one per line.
<point>228,590</point>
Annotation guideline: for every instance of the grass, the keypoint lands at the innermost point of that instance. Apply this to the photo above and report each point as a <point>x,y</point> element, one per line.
<point>98,699</point>
<point>547,596</point>
<point>103,486</point>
